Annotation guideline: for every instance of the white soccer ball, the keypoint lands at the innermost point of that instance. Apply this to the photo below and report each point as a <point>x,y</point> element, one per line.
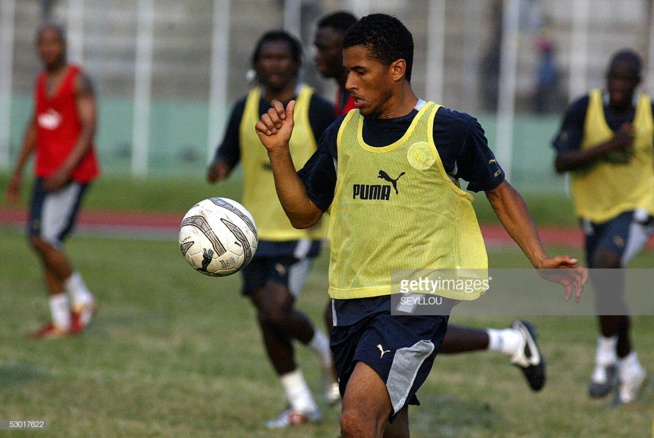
<point>218,237</point>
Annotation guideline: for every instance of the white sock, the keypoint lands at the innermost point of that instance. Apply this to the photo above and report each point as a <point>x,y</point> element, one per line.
<point>60,310</point>
<point>606,351</point>
<point>77,289</point>
<point>506,341</point>
<point>320,345</point>
<point>297,391</point>
<point>629,366</point>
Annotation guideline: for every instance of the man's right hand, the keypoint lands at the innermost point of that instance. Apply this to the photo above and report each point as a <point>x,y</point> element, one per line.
<point>217,171</point>
<point>624,137</point>
<point>276,126</point>
<point>621,146</point>
<point>13,189</point>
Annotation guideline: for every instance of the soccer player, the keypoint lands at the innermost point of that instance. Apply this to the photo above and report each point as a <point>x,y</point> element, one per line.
<point>275,276</point>
<point>60,133</point>
<point>382,359</point>
<point>605,142</point>
<point>517,342</point>
<point>328,57</point>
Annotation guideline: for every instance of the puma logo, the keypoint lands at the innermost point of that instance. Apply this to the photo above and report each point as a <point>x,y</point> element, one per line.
<point>381,349</point>
<point>383,175</point>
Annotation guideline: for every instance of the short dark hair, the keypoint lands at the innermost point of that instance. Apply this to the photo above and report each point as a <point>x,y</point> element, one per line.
<point>294,45</point>
<point>628,57</point>
<point>51,26</point>
<point>385,37</point>
<point>340,21</point>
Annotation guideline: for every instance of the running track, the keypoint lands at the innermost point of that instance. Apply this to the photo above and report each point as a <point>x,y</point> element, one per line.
<point>165,225</point>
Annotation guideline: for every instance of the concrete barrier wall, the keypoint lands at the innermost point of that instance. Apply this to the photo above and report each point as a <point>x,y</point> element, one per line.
<point>178,140</point>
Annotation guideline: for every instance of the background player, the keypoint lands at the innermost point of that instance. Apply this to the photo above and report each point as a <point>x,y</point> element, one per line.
<point>275,276</point>
<point>605,141</point>
<point>60,134</point>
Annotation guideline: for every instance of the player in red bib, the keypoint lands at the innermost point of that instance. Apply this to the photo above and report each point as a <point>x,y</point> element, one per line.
<point>60,134</point>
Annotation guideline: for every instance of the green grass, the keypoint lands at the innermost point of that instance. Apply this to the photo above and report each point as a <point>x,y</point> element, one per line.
<point>174,353</point>
<point>166,194</point>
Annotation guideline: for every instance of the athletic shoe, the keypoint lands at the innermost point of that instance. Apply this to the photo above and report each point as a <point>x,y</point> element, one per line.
<point>528,357</point>
<point>80,316</point>
<point>603,381</point>
<point>331,392</point>
<point>630,388</point>
<point>49,331</point>
<point>291,418</point>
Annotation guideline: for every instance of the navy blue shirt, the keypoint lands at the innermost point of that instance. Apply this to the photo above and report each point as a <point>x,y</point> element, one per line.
<point>459,138</point>
<point>571,133</point>
<point>461,144</point>
<point>321,115</point>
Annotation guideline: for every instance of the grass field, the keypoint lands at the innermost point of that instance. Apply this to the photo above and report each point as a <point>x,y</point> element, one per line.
<point>174,353</point>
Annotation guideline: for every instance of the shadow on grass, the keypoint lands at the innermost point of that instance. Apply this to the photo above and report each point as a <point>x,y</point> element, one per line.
<point>446,415</point>
<point>17,374</point>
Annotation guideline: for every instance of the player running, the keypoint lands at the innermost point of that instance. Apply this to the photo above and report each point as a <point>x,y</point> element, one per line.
<point>606,143</point>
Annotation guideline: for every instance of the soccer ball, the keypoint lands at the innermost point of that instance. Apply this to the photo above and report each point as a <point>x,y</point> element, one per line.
<point>218,237</point>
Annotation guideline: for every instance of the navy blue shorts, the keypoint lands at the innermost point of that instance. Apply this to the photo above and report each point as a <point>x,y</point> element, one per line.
<point>285,263</point>
<point>53,214</point>
<point>401,349</point>
<point>625,235</point>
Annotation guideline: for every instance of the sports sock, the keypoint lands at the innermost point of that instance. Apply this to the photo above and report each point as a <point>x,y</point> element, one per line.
<point>297,391</point>
<point>506,341</point>
<point>320,345</point>
<point>606,351</point>
<point>77,289</point>
<point>60,310</point>
<point>629,366</point>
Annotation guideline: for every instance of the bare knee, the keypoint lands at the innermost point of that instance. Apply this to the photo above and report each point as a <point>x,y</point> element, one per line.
<point>274,306</point>
<point>355,424</point>
<point>40,245</point>
<point>272,317</point>
<point>605,259</point>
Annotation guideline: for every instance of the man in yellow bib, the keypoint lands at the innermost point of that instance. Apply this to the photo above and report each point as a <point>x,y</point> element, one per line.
<point>388,172</point>
<point>275,276</point>
<point>606,141</point>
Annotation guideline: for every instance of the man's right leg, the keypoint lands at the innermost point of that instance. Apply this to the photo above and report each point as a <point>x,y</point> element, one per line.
<point>518,342</point>
<point>367,405</point>
<point>609,248</point>
<point>52,217</point>
<point>55,265</point>
<point>280,323</point>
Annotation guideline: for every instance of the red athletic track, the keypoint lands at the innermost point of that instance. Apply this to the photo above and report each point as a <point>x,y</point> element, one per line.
<point>149,224</point>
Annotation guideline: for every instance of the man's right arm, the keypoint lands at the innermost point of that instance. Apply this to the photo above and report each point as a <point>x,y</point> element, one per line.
<point>29,143</point>
<point>274,129</point>
<point>228,153</point>
<point>569,154</point>
<point>574,159</point>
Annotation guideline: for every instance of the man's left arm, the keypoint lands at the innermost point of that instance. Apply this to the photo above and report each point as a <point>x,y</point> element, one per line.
<point>514,215</point>
<point>87,111</point>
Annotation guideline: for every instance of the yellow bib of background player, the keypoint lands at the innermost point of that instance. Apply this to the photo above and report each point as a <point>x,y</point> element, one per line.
<point>608,188</point>
<point>396,208</point>
<point>260,197</point>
